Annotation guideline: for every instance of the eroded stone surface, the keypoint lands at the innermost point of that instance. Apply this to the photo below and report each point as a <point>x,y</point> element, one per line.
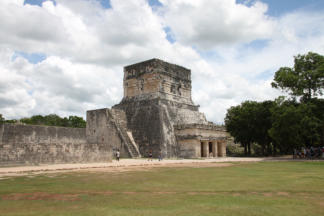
<point>157,97</point>
<point>30,144</point>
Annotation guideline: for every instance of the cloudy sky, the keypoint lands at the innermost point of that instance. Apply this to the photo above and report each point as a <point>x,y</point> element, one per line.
<point>67,56</point>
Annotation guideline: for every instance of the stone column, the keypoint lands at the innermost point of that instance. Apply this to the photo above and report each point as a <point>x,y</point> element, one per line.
<point>205,149</point>
<point>214,148</point>
<point>221,145</point>
<point>224,149</point>
<point>219,149</point>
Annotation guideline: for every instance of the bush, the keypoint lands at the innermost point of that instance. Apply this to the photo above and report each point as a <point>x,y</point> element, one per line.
<point>234,150</point>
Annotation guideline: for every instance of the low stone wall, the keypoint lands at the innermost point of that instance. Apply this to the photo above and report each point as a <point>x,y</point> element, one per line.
<point>29,144</point>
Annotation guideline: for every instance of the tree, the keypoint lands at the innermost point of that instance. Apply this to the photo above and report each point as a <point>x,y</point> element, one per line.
<point>77,122</point>
<point>285,130</point>
<point>311,123</point>
<point>305,79</point>
<point>52,120</point>
<point>55,120</point>
<point>34,120</point>
<point>317,110</point>
<point>295,125</point>
<point>263,123</point>
<point>240,123</point>
<point>249,123</point>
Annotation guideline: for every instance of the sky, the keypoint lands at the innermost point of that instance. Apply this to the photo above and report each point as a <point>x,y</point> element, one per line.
<point>67,56</point>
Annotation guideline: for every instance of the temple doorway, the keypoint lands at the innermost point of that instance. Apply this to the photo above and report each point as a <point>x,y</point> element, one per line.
<point>210,149</point>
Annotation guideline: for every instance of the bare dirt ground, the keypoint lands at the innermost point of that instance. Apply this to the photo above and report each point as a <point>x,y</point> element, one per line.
<point>126,165</point>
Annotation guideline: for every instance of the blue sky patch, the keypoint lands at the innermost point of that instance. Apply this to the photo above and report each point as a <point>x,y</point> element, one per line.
<point>265,75</point>
<point>32,58</point>
<point>169,35</point>
<point>37,2</point>
<point>257,44</point>
<point>154,3</point>
<point>105,3</point>
<point>277,8</point>
<point>211,55</point>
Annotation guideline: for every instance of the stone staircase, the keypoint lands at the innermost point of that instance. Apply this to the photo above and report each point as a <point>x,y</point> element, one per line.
<point>118,117</point>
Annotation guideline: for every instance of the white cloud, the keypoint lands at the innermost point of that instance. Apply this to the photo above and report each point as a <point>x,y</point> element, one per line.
<point>27,27</point>
<point>87,46</point>
<point>206,24</point>
<point>55,86</point>
<point>83,31</point>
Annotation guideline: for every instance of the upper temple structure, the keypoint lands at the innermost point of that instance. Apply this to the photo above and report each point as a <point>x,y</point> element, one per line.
<point>156,115</point>
<point>161,115</point>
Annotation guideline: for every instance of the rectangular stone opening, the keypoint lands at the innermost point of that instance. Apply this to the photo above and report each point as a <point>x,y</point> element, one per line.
<point>210,149</point>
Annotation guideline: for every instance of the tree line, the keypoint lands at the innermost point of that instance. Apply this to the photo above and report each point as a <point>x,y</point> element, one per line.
<point>50,120</point>
<point>286,123</point>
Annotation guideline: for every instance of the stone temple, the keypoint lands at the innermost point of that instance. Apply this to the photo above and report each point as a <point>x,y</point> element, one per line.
<point>156,115</point>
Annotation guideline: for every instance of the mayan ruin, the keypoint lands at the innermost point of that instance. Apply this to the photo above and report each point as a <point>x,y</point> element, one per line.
<point>156,115</point>
<point>161,116</point>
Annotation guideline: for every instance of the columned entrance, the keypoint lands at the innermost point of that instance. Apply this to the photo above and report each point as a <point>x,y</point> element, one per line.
<point>212,148</point>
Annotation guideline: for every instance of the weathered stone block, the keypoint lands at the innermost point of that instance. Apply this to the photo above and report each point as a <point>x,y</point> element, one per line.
<point>44,144</point>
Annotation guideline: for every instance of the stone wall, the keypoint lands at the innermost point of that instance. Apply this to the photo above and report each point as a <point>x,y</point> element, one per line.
<point>189,148</point>
<point>107,127</point>
<point>157,79</point>
<point>144,120</point>
<point>157,65</point>
<point>31,144</point>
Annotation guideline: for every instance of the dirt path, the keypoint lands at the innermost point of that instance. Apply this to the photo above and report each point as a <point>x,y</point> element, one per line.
<point>122,165</point>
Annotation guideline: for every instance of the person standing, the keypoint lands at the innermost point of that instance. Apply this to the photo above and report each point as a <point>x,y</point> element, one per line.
<point>117,155</point>
<point>150,156</point>
<point>160,156</point>
<point>304,152</point>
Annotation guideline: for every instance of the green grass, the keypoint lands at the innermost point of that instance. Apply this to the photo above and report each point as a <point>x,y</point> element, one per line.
<point>266,188</point>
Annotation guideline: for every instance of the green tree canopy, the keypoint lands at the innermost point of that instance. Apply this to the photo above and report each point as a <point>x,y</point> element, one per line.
<point>295,125</point>
<point>249,123</point>
<point>55,120</point>
<point>263,123</point>
<point>239,122</point>
<point>77,122</point>
<point>305,79</point>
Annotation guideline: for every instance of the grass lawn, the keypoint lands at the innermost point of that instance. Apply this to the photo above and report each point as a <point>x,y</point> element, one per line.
<point>265,188</point>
